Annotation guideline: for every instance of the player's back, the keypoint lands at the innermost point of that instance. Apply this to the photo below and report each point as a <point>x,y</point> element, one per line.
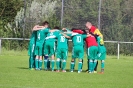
<point>51,36</point>
<point>62,41</point>
<point>78,40</point>
<point>91,41</point>
<point>41,34</point>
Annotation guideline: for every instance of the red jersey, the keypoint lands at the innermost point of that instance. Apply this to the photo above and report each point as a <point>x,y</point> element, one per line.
<point>91,41</point>
<point>92,29</point>
<point>78,31</point>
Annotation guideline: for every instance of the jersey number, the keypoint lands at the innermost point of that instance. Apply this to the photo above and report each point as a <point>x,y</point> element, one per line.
<point>62,39</point>
<point>78,39</point>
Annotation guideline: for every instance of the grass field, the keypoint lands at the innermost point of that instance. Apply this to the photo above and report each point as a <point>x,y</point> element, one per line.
<point>14,73</point>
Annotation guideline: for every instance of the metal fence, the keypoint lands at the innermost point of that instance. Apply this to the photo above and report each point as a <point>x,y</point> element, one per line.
<point>113,18</point>
<point>118,43</point>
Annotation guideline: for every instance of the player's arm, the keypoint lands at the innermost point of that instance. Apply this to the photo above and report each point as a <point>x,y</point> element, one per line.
<point>88,34</point>
<point>37,27</point>
<point>53,30</point>
<point>65,35</point>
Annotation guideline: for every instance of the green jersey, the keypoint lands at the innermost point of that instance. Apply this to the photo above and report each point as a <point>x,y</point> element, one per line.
<point>41,34</point>
<point>33,37</point>
<point>77,39</point>
<point>101,48</point>
<point>62,41</point>
<point>51,36</point>
<point>32,43</point>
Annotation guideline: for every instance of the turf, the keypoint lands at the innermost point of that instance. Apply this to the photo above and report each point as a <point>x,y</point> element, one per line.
<point>14,73</point>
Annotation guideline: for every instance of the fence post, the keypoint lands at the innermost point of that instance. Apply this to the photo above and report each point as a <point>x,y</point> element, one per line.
<point>99,14</point>
<point>62,12</point>
<point>0,45</point>
<point>118,56</point>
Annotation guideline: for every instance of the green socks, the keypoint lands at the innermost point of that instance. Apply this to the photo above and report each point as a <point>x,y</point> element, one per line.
<point>94,64</point>
<point>31,62</point>
<point>90,66</point>
<point>58,64</point>
<point>102,65</point>
<point>40,64</point>
<point>64,64</point>
<point>72,66</point>
<point>79,66</point>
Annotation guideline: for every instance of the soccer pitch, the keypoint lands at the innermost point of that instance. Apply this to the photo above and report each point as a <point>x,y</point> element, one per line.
<point>14,73</point>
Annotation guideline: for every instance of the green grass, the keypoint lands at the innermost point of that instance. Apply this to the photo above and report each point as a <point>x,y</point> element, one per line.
<point>14,73</point>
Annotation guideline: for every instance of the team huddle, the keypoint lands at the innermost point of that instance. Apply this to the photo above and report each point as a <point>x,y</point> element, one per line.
<point>47,44</point>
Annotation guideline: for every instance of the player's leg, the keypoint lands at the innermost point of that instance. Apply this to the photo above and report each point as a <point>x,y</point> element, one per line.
<point>36,62</point>
<point>102,65</point>
<point>81,54</point>
<point>95,69</point>
<point>52,62</point>
<point>52,52</point>
<point>82,60</point>
<point>58,64</point>
<point>65,53</point>
<point>31,62</point>
<point>40,56</point>
<point>90,58</point>
<point>31,50</point>
<point>94,51</point>
<point>46,52</point>
<point>87,60</point>
<point>36,58</point>
<point>40,62</point>
<point>58,56</point>
<point>48,61</point>
<point>33,58</point>
<point>82,64</point>
<point>72,64</point>
<point>45,62</point>
<point>79,65</point>
<point>103,57</point>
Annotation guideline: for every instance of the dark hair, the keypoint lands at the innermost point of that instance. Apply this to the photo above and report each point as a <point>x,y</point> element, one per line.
<point>45,22</point>
<point>84,32</point>
<point>56,27</point>
<point>76,29</point>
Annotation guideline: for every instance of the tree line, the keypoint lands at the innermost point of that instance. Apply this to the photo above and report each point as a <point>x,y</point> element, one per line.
<point>19,16</point>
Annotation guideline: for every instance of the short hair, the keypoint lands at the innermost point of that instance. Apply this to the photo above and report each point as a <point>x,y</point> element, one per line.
<point>56,27</point>
<point>45,23</point>
<point>89,23</point>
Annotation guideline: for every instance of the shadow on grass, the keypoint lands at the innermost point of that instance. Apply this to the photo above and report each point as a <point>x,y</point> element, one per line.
<point>68,70</point>
<point>22,68</point>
